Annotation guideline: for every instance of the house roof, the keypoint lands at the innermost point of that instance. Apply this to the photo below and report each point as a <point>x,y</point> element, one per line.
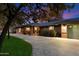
<point>20,26</point>
<point>65,21</point>
<point>69,21</point>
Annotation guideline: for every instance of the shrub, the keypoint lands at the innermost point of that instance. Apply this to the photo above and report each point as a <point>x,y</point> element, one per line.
<point>46,32</point>
<point>52,33</point>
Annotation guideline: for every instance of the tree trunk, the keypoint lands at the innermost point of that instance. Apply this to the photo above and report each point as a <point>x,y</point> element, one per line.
<point>8,33</point>
<point>3,34</point>
<point>6,27</point>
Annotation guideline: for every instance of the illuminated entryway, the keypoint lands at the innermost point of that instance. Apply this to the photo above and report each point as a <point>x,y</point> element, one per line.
<point>18,30</point>
<point>36,30</point>
<point>64,31</point>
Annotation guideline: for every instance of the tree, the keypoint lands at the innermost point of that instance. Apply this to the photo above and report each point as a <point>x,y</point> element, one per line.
<point>10,19</point>
<point>3,20</point>
<point>47,11</point>
<point>57,9</point>
<point>37,12</point>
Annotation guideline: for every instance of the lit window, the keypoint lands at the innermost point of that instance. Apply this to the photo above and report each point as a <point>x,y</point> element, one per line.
<point>19,29</point>
<point>35,28</point>
<point>27,29</point>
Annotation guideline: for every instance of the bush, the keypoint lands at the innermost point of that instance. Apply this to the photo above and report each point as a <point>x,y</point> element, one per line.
<point>46,32</point>
<point>52,33</point>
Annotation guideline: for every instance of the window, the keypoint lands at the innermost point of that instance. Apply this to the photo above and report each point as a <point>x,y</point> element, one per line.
<point>35,28</point>
<point>27,29</point>
<point>19,29</point>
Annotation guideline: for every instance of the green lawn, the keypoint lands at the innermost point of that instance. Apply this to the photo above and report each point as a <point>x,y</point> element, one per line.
<point>16,47</point>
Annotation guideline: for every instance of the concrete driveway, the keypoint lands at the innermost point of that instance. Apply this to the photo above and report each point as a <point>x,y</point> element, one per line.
<point>52,46</point>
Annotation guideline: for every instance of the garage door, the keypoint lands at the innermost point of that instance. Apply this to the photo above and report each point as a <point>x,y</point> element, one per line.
<point>73,31</point>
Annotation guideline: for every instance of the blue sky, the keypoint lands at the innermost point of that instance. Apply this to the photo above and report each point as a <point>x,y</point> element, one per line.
<point>74,13</point>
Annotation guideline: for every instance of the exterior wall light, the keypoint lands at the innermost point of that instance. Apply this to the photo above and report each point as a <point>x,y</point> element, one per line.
<point>70,26</point>
<point>51,28</point>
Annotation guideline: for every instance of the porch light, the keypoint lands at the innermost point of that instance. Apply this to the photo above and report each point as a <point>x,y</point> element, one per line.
<point>35,28</point>
<point>70,26</point>
<point>27,29</point>
<point>51,28</point>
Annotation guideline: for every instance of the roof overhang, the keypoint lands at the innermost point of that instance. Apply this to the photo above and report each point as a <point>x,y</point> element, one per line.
<point>52,23</point>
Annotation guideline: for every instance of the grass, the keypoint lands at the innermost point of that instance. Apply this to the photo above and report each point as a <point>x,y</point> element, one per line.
<point>16,47</point>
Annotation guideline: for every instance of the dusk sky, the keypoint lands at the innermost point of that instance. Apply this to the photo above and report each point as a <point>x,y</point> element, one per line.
<point>74,13</point>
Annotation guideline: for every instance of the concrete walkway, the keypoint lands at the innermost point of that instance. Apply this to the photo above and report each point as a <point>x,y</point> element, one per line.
<point>51,46</point>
